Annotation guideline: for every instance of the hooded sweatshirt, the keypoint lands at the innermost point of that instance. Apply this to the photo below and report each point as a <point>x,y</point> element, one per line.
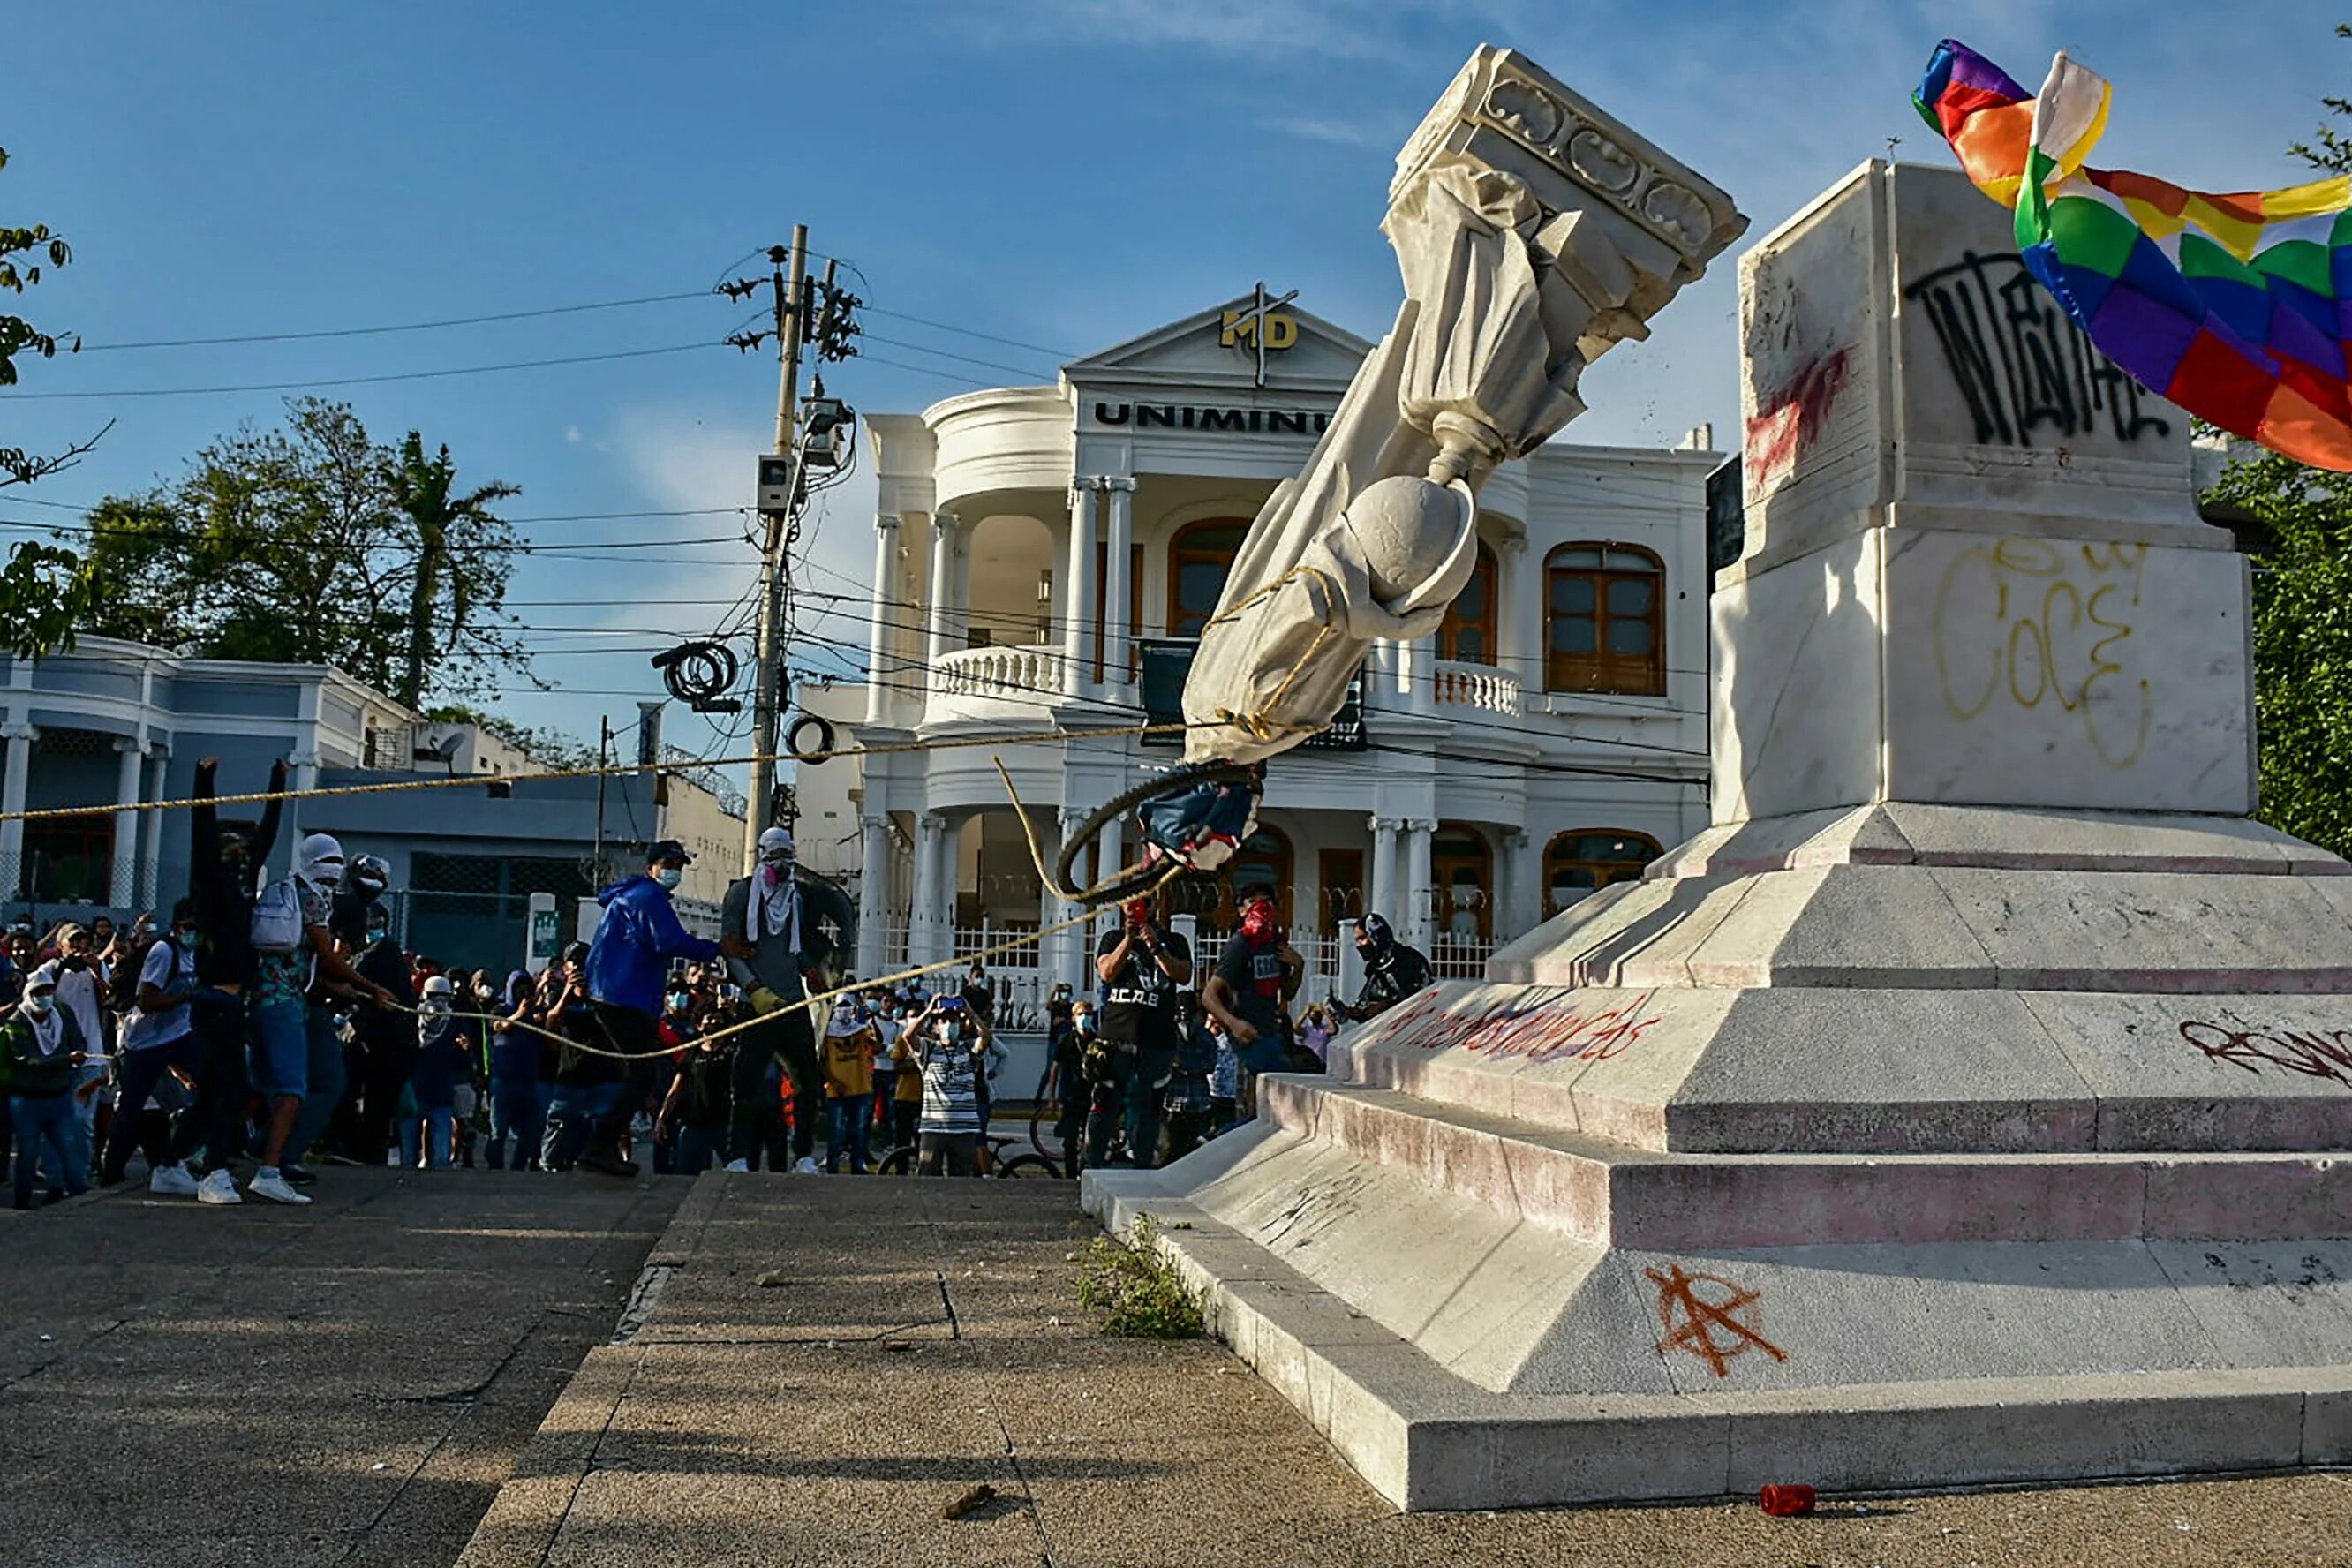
<point>41,1051</point>
<point>629,962</point>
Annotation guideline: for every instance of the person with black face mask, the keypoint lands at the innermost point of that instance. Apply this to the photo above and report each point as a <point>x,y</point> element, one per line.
<point>1392,970</point>
<point>385,1038</point>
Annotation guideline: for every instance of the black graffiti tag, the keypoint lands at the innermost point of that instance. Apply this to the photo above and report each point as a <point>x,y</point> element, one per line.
<point>2299,1051</point>
<point>2020,360</point>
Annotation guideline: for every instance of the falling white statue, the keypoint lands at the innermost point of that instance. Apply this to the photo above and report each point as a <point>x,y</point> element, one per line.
<point>1534,232</point>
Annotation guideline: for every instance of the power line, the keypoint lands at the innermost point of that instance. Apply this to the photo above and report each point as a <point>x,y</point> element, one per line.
<point>363,380</point>
<point>967,331</point>
<point>943,354</point>
<point>524,547</point>
<point>396,327</point>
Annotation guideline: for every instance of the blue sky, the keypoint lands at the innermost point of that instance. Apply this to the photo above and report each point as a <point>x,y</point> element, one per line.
<point>1061,172</point>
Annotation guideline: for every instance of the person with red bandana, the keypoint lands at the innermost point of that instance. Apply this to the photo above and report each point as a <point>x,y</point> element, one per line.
<point>1249,992</point>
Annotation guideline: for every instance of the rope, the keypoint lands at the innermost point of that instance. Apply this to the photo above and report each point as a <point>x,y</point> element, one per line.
<point>804,1003</point>
<point>396,786</point>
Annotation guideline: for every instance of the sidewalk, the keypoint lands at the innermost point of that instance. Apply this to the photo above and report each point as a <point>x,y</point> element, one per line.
<point>917,1338</point>
<point>345,1384</point>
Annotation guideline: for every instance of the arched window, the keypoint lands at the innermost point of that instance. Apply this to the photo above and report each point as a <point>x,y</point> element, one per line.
<point>1604,620</point>
<point>1200,559</point>
<point>1469,631</point>
<point>1462,879</point>
<point>1578,863</point>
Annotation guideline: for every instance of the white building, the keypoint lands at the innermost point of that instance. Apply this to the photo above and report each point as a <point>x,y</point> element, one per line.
<point>1037,546</point>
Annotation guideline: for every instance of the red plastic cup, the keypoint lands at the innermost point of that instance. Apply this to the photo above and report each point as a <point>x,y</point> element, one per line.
<point>1781,1502</point>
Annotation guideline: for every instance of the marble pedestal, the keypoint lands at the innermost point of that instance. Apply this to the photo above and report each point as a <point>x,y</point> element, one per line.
<point>1972,1102</point>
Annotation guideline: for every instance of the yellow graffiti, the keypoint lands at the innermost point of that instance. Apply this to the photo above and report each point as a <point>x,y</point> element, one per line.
<point>2059,631</point>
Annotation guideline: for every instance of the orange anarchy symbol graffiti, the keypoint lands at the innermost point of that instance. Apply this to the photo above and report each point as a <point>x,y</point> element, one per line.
<point>1693,1321</point>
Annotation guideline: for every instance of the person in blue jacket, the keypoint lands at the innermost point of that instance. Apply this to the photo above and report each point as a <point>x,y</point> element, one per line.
<point>627,970</point>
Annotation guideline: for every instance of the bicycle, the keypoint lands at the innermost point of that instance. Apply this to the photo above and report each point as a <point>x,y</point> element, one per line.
<point>900,1162</point>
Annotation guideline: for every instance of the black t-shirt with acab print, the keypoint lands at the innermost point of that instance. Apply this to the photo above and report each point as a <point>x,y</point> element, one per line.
<point>1140,1002</point>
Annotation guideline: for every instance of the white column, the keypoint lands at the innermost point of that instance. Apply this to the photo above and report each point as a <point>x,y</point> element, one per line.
<point>1523,605</point>
<point>880,645</point>
<point>1109,856</point>
<point>942,590</point>
<point>1071,949</point>
<point>1116,588</point>
<point>1420,661</point>
<point>873,893</point>
<point>20,736</point>
<point>124,868</point>
<point>151,831</point>
<point>923,919</point>
<point>1524,911</point>
<point>1383,897</point>
<point>1078,592</point>
<point>1415,847</point>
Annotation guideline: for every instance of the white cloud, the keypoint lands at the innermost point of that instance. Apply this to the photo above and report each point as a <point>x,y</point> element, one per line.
<point>1254,29</point>
<point>1338,132</point>
<point>572,434</point>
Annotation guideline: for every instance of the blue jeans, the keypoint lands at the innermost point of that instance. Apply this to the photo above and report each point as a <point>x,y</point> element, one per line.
<point>699,1149</point>
<point>570,1118</point>
<point>515,1111</point>
<point>48,1118</point>
<point>440,1127</point>
<point>141,1069</point>
<point>325,1078</point>
<point>849,1121</point>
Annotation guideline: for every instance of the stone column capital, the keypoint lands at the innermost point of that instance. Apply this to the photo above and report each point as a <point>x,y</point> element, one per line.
<point>944,524</point>
<point>20,729</point>
<point>308,759</point>
<point>874,821</point>
<point>932,822</point>
<point>1515,839</point>
<point>1071,815</point>
<point>1122,483</point>
<point>128,744</point>
<point>886,522</point>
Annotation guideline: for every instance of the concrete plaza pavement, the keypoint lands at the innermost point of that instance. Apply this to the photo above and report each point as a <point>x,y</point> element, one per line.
<point>344,1383</point>
<point>357,1382</point>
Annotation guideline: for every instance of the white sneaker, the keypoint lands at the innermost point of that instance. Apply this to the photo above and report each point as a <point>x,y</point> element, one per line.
<point>219,1188</point>
<point>276,1188</point>
<point>743,1166</point>
<point>806,1167</point>
<point>173,1181</point>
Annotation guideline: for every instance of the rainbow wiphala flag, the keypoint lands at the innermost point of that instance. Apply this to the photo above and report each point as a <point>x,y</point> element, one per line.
<point>2235,307</point>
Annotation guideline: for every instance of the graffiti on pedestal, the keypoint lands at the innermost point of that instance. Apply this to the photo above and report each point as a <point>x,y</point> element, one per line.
<point>2307,1052</point>
<point>2039,626</point>
<point>1534,1023</point>
<point>1711,1317</point>
<point>2018,360</point>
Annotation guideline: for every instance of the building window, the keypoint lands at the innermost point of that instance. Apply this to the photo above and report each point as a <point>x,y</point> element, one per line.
<point>1200,559</point>
<point>1580,863</point>
<point>1469,632</point>
<point>1462,879</point>
<point>1604,620</point>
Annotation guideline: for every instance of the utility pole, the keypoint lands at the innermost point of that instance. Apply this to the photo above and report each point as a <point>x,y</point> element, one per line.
<point>775,564</point>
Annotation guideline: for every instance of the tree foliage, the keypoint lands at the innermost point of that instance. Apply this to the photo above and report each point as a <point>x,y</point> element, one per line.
<point>45,591</point>
<point>311,544</point>
<point>2299,529</point>
<point>2300,521</point>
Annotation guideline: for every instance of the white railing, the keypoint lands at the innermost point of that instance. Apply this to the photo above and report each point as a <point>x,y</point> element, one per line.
<point>1460,957</point>
<point>1479,685</point>
<point>1029,672</point>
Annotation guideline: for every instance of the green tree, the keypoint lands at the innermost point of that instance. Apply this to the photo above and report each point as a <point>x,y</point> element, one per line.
<point>298,544</point>
<point>2297,522</point>
<point>459,577</point>
<point>45,590</point>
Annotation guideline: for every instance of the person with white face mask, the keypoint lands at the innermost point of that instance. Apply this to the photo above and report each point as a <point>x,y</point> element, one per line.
<point>780,920</point>
<point>298,1058</point>
<point>46,1051</point>
<point>951,1042</point>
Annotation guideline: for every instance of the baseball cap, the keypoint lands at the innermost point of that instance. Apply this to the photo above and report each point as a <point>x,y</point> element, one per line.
<point>669,852</point>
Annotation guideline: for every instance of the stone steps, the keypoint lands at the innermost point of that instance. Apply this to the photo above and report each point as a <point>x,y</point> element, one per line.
<point>1606,1193</point>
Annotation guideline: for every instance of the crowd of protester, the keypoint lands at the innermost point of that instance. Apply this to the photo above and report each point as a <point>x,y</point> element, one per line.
<point>279,1024</point>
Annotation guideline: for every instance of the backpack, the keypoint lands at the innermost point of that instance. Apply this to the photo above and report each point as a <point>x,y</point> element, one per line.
<point>122,981</point>
<point>277,924</point>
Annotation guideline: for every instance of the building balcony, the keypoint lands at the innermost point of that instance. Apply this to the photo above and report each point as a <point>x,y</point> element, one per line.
<point>1482,687</point>
<point>995,684</point>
